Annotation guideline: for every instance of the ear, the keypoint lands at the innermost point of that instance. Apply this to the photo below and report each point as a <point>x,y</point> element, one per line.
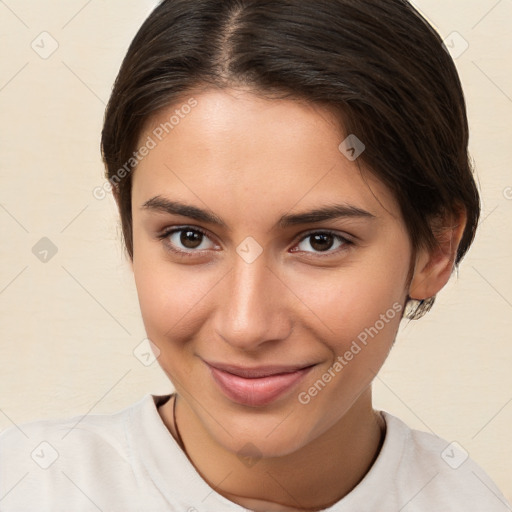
<point>433,268</point>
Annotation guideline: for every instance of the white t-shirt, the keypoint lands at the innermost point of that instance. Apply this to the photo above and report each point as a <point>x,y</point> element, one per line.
<point>128,461</point>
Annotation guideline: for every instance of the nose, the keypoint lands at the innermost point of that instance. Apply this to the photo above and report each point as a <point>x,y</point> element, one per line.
<point>251,310</point>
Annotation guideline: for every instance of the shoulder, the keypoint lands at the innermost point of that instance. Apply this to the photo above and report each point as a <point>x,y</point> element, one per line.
<point>436,472</point>
<point>53,459</point>
<point>77,432</point>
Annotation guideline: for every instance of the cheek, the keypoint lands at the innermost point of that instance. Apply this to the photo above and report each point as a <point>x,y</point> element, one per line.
<point>172,308</point>
<point>349,300</point>
<point>360,315</point>
<point>172,297</point>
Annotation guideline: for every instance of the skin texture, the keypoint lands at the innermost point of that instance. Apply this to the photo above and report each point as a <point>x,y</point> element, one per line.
<point>251,160</point>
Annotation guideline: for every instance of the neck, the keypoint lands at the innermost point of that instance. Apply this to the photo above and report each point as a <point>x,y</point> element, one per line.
<point>312,478</point>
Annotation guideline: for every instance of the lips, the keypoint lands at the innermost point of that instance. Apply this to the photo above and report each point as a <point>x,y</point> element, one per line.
<point>256,386</point>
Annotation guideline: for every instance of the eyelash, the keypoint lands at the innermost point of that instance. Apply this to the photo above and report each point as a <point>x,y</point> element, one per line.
<point>344,240</point>
<point>167,233</point>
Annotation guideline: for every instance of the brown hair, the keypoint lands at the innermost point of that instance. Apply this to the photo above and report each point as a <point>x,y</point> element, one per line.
<point>377,62</point>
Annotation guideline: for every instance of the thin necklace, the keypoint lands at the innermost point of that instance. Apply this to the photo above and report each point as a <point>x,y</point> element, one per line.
<point>180,440</point>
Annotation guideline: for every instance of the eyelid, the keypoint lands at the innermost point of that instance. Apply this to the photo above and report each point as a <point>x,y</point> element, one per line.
<point>347,241</point>
<point>334,232</point>
<point>166,232</point>
<point>344,236</point>
<point>172,229</point>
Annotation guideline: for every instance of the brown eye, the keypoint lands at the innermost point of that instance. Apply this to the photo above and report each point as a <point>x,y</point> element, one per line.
<point>321,241</point>
<point>186,240</point>
<point>191,239</point>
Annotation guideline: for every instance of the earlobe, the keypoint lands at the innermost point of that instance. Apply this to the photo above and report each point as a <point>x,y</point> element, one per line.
<point>433,268</point>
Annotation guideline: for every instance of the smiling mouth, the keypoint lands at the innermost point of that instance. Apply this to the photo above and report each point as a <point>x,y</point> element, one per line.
<point>256,386</point>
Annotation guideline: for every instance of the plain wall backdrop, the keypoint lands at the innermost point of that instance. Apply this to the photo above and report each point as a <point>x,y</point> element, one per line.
<point>70,323</point>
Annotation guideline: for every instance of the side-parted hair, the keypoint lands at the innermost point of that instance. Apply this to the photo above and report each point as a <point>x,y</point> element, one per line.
<point>376,63</point>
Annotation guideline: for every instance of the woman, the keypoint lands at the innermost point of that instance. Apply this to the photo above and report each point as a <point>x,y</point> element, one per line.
<point>293,180</point>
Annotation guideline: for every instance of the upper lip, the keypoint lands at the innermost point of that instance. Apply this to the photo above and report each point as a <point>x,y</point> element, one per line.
<point>257,371</point>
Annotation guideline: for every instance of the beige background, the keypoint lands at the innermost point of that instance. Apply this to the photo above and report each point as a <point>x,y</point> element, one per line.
<point>69,326</point>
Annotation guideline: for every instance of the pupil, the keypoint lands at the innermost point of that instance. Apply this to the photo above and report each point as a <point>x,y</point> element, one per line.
<point>191,239</point>
<point>322,242</point>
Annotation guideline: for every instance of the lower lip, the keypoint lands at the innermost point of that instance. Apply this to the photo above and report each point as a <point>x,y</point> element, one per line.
<point>256,392</point>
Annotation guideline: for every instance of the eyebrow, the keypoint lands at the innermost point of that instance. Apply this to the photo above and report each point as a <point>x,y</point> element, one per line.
<point>336,211</point>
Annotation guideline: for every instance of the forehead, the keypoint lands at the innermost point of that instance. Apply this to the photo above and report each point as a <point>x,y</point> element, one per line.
<point>245,153</point>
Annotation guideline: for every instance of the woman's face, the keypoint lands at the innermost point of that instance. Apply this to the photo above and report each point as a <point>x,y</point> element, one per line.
<point>271,274</point>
